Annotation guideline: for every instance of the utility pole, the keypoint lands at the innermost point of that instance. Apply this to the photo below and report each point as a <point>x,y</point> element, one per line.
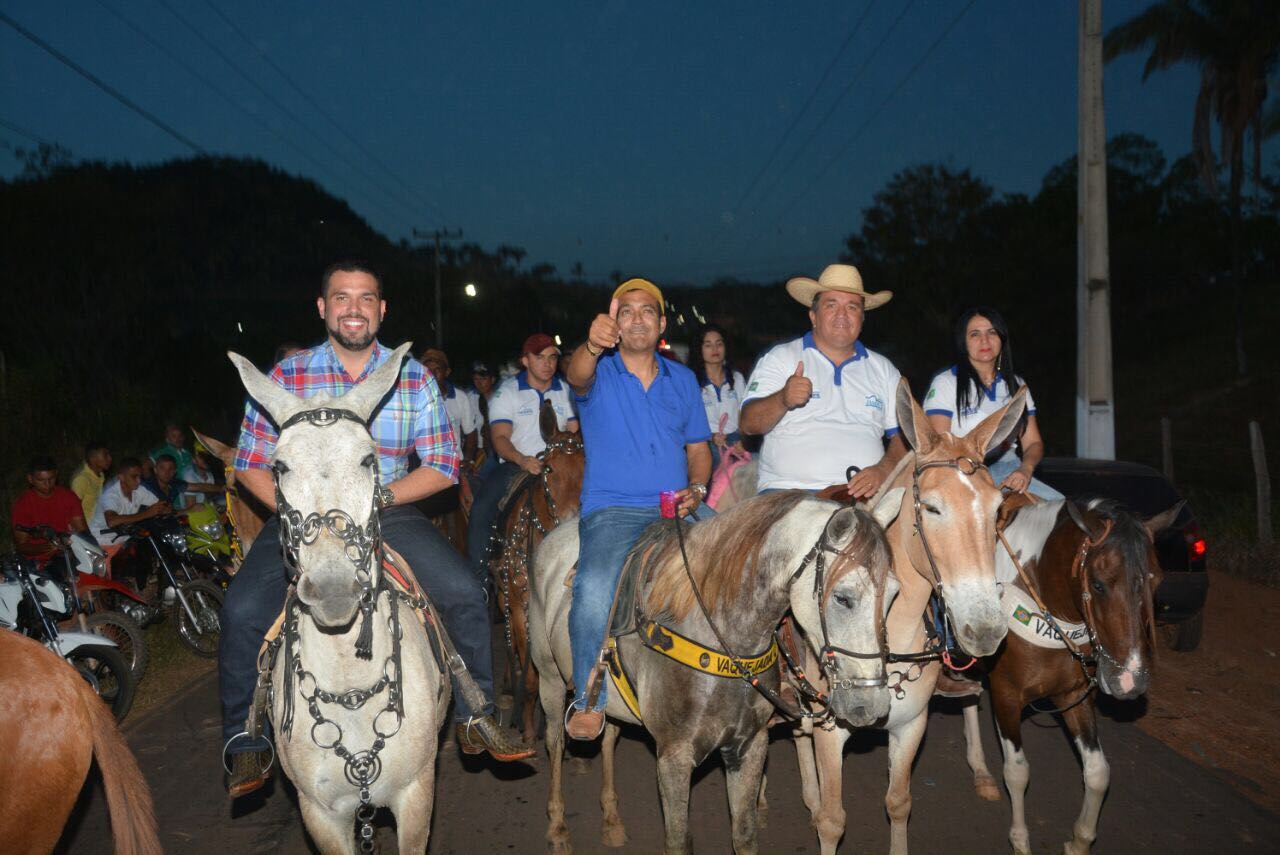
<point>438,235</point>
<point>1095,398</point>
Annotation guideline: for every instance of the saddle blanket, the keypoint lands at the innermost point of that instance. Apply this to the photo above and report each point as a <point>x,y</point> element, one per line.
<point>1028,623</point>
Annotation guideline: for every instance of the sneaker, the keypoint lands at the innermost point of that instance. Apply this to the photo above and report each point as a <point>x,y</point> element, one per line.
<point>481,733</point>
<point>584,725</point>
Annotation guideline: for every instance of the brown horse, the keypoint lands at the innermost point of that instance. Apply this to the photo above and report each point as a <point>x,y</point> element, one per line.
<point>533,506</point>
<point>247,514</point>
<point>1080,615</point>
<point>52,726</point>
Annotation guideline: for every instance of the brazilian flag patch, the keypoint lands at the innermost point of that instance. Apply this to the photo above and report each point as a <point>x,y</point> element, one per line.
<point>1021,615</point>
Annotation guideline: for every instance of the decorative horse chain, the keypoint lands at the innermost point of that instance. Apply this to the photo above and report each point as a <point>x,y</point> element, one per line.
<point>1080,571</point>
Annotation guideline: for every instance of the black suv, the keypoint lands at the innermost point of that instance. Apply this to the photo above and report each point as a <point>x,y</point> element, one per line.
<point>1181,549</point>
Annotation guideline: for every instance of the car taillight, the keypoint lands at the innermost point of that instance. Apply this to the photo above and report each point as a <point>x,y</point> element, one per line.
<point>1196,546</point>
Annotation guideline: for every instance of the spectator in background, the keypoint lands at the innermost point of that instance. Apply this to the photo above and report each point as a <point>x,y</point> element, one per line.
<point>722,389</point>
<point>480,393</point>
<point>44,502</point>
<point>170,488</point>
<point>92,474</point>
<point>457,404</point>
<point>175,445</point>
<point>124,500</point>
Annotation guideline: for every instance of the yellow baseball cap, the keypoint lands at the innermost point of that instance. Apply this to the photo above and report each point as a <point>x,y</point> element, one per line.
<point>642,285</point>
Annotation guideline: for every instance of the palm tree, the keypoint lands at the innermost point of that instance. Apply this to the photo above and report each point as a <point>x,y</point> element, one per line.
<point>1236,44</point>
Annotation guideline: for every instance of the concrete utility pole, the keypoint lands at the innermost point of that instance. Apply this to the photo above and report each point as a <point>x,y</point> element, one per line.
<point>1095,399</point>
<point>438,235</point>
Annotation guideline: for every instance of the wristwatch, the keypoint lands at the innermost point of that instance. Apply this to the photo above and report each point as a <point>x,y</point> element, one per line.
<point>383,497</point>
<point>699,488</point>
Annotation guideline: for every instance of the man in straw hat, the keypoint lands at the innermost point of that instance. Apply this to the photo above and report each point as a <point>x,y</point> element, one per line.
<point>823,401</point>
<point>646,433</point>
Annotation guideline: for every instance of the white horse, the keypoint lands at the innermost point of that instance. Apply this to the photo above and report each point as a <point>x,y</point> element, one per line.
<point>366,726</point>
<point>787,551</point>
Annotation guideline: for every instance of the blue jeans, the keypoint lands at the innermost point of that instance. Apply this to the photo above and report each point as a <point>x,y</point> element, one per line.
<point>1002,468</point>
<point>257,594</point>
<point>605,536</point>
<point>484,510</point>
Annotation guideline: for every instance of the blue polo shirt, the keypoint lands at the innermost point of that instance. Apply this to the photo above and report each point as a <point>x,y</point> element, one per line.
<point>635,439</point>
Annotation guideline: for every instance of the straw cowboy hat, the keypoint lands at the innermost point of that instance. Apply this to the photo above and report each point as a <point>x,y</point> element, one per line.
<point>837,277</point>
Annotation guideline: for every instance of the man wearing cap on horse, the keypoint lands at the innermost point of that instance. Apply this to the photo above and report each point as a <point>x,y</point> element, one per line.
<point>411,419</point>
<point>517,439</point>
<point>824,402</point>
<point>645,431</point>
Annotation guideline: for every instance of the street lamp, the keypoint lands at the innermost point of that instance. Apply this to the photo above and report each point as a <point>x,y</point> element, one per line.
<point>469,289</point>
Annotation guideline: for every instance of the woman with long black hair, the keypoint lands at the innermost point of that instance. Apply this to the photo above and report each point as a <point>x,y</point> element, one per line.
<point>980,383</point>
<point>722,388</point>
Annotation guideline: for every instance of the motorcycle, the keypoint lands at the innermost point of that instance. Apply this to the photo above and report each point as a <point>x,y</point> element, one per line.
<point>158,545</point>
<point>208,544</point>
<point>84,565</point>
<point>32,604</point>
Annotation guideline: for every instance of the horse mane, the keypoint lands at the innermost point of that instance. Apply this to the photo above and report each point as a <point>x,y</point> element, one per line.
<point>1027,534</point>
<point>1127,535</point>
<point>724,554</point>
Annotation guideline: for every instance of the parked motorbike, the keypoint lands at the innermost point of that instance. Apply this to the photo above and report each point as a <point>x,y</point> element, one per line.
<point>208,544</point>
<point>32,603</point>
<point>82,564</point>
<point>158,547</point>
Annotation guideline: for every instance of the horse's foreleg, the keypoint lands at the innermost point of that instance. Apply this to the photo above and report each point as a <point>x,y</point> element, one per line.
<point>553,708</point>
<point>332,832</point>
<point>1016,771</point>
<point>828,749</point>
<point>675,765</point>
<point>762,803</point>
<point>744,772</point>
<point>412,807</point>
<point>904,742</point>
<point>803,738</point>
<point>983,783</point>
<point>613,833</point>
<point>1082,724</point>
<point>529,720</point>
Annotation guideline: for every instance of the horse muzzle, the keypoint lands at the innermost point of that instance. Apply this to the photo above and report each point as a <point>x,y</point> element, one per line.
<point>1126,681</point>
<point>332,599</point>
<point>979,622</point>
<point>860,707</point>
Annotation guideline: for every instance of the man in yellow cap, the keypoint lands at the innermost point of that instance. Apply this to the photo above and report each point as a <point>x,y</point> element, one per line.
<point>646,433</point>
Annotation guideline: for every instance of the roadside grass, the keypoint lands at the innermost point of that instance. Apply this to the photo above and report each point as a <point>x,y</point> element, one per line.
<point>173,666</point>
<point>1229,521</point>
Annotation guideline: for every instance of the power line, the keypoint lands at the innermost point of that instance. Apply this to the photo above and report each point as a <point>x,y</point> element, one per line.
<point>306,96</point>
<point>808,102</point>
<point>878,110</point>
<point>258,120</point>
<point>96,81</point>
<point>835,105</point>
<point>23,132</point>
<point>408,206</point>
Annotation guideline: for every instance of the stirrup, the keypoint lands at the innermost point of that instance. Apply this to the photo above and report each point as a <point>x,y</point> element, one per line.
<point>226,752</point>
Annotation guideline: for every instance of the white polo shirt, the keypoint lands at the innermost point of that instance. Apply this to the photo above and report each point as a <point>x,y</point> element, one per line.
<point>474,397</point>
<point>518,404</point>
<point>463,416</point>
<point>114,499</point>
<point>724,402</point>
<point>844,424</point>
<point>940,400</point>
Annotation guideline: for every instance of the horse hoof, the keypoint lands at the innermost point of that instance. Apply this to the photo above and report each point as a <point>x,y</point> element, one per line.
<point>579,766</point>
<point>1075,847</point>
<point>558,841</point>
<point>614,836</point>
<point>762,817</point>
<point>986,788</point>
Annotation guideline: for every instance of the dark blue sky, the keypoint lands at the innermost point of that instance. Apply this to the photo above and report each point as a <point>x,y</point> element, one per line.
<point>622,134</point>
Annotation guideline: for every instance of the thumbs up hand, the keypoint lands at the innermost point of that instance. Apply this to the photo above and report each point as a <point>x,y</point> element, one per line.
<point>604,332</point>
<point>797,390</point>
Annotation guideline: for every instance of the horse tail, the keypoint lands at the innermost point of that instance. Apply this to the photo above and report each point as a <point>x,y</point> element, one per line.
<point>133,820</point>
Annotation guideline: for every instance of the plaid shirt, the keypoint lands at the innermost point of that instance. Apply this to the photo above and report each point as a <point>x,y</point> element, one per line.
<point>412,418</point>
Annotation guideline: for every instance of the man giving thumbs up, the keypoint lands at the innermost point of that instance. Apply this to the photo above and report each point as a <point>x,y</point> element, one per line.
<point>823,401</point>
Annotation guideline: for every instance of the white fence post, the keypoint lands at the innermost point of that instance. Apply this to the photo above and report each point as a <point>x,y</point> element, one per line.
<point>1263,481</point>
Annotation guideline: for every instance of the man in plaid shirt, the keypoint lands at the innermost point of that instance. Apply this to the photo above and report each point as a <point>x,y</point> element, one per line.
<point>411,419</point>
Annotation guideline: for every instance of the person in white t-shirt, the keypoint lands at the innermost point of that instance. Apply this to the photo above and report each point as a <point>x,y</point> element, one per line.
<point>823,401</point>
<point>514,412</point>
<point>722,389</point>
<point>463,416</point>
<point>124,500</point>
<point>980,383</point>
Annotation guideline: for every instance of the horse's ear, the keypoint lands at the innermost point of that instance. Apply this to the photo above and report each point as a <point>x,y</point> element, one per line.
<point>1077,517</point>
<point>1163,520</point>
<point>364,398</point>
<point>221,450</point>
<point>886,510</point>
<point>547,423</point>
<point>278,402</point>
<point>916,429</point>
<point>996,427</point>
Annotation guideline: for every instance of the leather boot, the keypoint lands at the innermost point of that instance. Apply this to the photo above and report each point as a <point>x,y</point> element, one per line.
<point>481,733</point>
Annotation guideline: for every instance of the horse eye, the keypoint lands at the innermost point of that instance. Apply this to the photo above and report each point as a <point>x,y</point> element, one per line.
<point>1099,587</point>
<point>843,600</point>
<point>933,510</point>
<point>368,461</point>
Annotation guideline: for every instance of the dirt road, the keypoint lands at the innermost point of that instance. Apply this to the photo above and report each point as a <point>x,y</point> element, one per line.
<point>1159,801</point>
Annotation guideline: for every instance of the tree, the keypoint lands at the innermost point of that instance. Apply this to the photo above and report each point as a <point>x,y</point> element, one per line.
<point>1236,44</point>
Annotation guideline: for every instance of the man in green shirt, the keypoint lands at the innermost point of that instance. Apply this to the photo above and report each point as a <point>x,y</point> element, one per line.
<point>86,483</point>
<point>175,445</point>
